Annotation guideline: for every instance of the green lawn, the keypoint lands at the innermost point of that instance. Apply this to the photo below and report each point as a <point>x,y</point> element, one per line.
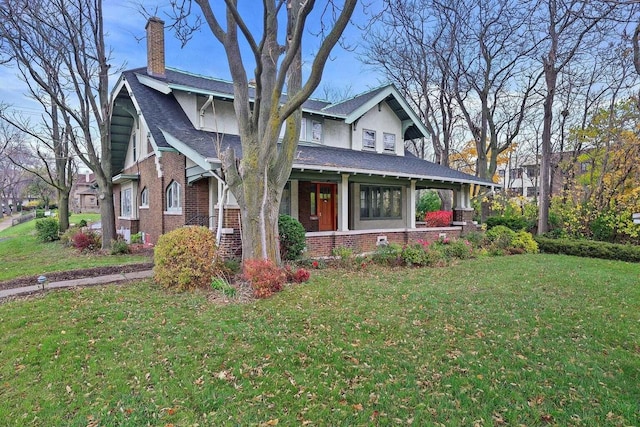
<point>522,340</point>
<point>22,255</point>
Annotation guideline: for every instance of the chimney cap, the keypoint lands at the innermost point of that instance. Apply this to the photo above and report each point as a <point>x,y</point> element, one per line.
<point>153,19</point>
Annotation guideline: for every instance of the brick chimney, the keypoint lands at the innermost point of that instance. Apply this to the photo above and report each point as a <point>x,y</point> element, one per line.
<point>155,47</point>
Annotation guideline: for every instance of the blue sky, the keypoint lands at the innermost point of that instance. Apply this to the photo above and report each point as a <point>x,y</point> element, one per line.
<point>203,54</point>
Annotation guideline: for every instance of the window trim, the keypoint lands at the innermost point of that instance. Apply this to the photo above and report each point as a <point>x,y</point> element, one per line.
<point>364,133</point>
<point>124,191</point>
<point>368,199</point>
<point>319,123</point>
<point>384,141</point>
<point>173,194</point>
<point>144,198</point>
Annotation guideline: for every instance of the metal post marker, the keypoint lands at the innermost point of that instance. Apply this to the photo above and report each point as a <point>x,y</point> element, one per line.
<point>41,281</point>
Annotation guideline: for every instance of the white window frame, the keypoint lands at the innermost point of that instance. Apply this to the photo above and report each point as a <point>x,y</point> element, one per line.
<point>144,198</point>
<point>127,202</point>
<point>174,199</point>
<point>316,125</point>
<point>303,129</point>
<point>389,137</point>
<point>366,139</point>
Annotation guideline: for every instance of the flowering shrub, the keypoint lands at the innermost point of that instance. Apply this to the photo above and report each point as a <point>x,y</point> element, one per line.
<point>265,277</point>
<point>438,218</point>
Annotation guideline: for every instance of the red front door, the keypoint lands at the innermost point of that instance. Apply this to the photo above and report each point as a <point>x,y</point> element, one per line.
<point>326,196</point>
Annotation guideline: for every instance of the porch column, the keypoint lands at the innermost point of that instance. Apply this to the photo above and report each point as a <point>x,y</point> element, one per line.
<point>411,211</point>
<point>462,211</point>
<point>213,200</point>
<point>294,198</point>
<point>343,203</point>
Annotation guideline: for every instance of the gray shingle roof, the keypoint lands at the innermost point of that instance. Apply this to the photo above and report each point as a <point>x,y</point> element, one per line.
<point>345,107</point>
<point>164,114</point>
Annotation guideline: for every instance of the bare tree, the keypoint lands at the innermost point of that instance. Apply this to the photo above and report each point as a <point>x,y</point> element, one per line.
<point>571,28</point>
<point>51,146</point>
<point>258,178</point>
<point>13,178</point>
<point>59,47</point>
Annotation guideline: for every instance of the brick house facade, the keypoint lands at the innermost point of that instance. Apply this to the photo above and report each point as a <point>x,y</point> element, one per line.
<point>352,183</point>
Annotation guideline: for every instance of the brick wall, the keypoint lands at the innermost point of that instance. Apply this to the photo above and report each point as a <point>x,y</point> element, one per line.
<point>321,244</point>
<point>153,221</point>
<point>196,201</point>
<point>304,206</point>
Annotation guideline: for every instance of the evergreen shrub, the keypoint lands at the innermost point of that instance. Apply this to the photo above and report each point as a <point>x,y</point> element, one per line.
<point>292,237</point>
<point>47,230</point>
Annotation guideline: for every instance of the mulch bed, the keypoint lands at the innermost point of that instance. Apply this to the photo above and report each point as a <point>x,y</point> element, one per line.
<point>76,274</point>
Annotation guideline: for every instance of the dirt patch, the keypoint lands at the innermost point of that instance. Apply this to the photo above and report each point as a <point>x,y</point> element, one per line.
<point>76,274</point>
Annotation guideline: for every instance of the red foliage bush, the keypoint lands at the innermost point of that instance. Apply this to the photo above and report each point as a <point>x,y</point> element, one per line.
<point>86,241</point>
<point>438,218</point>
<point>301,275</point>
<point>265,277</point>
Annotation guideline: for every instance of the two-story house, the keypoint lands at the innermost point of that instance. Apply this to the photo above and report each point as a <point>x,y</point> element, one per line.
<point>352,183</point>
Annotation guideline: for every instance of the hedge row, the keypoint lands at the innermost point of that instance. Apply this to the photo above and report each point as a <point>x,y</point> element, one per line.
<point>589,249</point>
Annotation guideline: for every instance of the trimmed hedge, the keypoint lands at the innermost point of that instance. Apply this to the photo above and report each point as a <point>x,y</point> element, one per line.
<point>516,223</point>
<point>589,249</point>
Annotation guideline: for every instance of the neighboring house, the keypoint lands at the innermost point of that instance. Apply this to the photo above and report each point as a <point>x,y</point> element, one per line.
<point>84,193</point>
<point>521,180</point>
<point>352,183</point>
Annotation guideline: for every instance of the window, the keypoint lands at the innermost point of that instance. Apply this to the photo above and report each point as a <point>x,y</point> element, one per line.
<point>501,173</point>
<point>389,140</point>
<point>125,202</point>
<point>316,131</point>
<point>369,139</point>
<point>313,207</point>
<point>515,173</point>
<point>303,129</point>
<point>173,197</point>
<point>144,198</point>
<point>285,202</point>
<point>380,202</point>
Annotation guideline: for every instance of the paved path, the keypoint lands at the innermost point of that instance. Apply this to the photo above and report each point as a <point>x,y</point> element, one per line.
<point>87,281</point>
<point>5,222</point>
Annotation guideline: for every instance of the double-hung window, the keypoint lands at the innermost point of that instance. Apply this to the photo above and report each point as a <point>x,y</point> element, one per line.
<point>389,140</point>
<point>369,139</point>
<point>144,198</point>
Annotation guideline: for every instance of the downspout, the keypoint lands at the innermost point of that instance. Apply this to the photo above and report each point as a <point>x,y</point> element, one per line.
<point>202,110</point>
<point>221,202</point>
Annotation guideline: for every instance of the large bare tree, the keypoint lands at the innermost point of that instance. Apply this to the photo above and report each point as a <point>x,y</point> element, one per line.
<point>59,46</point>
<point>571,28</point>
<point>258,178</point>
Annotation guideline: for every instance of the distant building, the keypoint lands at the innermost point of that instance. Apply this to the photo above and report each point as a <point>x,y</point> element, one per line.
<point>84,193</point>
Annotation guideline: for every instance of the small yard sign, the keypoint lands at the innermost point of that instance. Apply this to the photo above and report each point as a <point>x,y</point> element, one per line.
<point>636,218</point>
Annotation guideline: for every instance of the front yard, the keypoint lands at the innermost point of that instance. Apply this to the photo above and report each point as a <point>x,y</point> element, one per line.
<point>22,255</point>
<point>519,340</point>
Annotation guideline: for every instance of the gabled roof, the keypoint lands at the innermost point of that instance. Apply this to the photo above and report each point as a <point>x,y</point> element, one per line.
<point>350,110</point>
<point>172,130</point>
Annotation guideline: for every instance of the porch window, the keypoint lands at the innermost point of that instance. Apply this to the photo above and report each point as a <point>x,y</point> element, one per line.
<point>144,198</point>
<point>285,201</point>
<point>369,139</point>
<point>389,140</point>
<point>173,197</point>
<point>125,203</point>
<point>380,202</point>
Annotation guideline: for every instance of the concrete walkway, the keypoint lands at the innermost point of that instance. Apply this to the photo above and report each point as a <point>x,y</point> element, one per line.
<point>87,281</point>
<point>5,222</point>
